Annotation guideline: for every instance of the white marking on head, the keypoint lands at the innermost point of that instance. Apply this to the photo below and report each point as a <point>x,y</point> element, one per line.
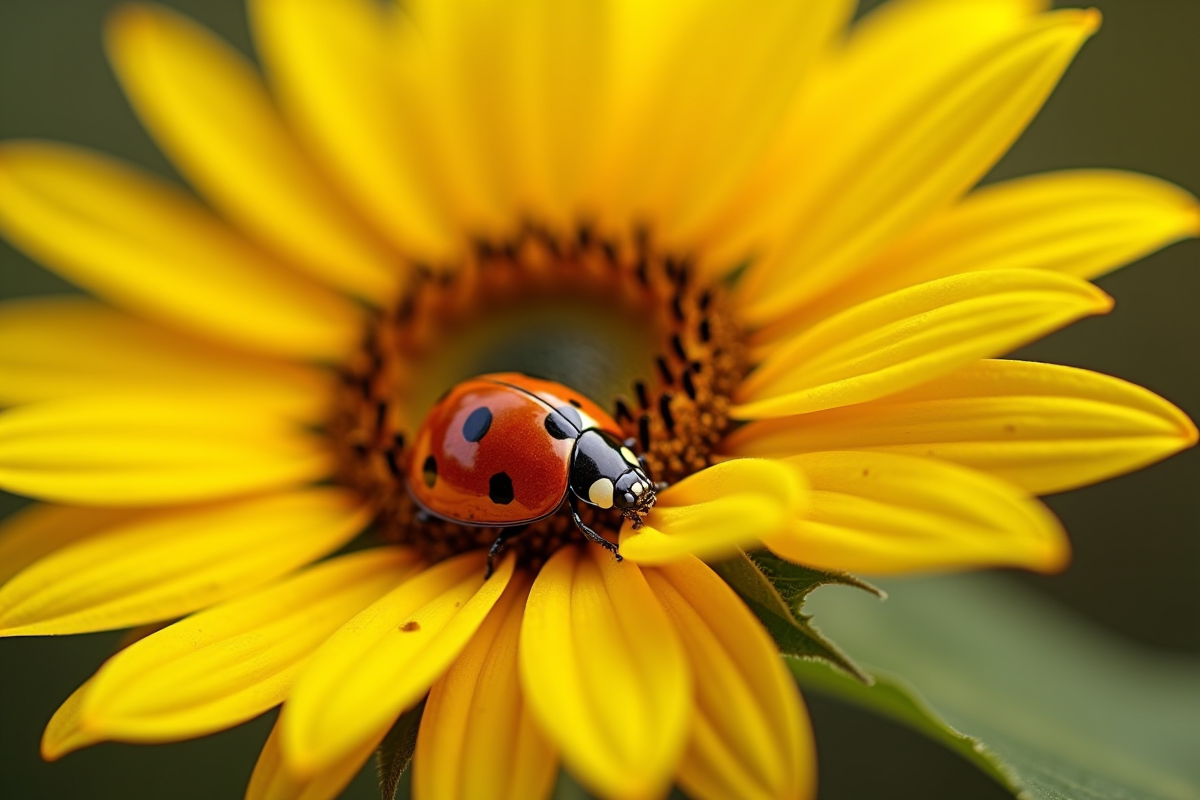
<point>637,488</point>
<point>628,455</point>
<point>600,493</point>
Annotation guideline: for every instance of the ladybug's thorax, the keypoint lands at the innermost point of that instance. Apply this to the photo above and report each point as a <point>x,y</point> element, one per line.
<point>606,474</point>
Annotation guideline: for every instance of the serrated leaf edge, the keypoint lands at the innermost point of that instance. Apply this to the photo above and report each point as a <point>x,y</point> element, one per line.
<point>752,580</point>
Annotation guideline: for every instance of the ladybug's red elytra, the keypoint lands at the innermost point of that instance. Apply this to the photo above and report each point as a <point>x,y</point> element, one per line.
<point>504,450</point>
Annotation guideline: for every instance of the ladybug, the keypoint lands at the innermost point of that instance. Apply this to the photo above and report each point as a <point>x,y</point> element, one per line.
<point>504,450</point>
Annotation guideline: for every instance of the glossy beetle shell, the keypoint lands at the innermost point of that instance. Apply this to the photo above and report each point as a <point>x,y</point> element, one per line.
<point>496,449</point>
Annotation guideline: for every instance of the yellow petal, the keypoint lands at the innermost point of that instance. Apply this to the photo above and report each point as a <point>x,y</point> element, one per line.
<point>899,47</point>
<point>884,513</point>
<point>508,95</point>
<point>34,532</point>
<point>209,111</point>
<point>921,142</point>
<point>905,338</point>
<point>385,659</point>
<point>740,110</point>
<point>273,780</point>
<point>172,563</point>
<point>464,87</point>
<point>715,511</point>
<point>1043,427</point>
<point>147,450</point>
<point>750,737</point>
<point>1082,223</point>
<point>711,80</point>
<point>67,346</point>
<point>139,242</point>
<point>230,663</point>
<point>331,64</point>
<point>605,673</point>
<point>478,738</point>
<point>63,733</point>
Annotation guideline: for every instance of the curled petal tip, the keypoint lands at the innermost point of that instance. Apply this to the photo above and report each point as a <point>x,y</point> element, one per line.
<point>68,730</point>
<point>1057,558</point>
<point>1193,216</point>
<point>1104,302</point>
<point>1190,434</point>
<point>1090,20</point>
<point>67,742</point>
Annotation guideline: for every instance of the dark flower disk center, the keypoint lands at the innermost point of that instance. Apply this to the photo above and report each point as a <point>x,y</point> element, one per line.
<point>630,326</point>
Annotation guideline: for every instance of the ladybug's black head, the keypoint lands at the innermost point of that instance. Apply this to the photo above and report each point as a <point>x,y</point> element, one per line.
<point>634,491</point>
<point>606,474</point>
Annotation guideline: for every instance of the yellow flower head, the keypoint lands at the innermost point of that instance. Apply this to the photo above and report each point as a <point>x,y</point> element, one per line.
<point>750,236</point>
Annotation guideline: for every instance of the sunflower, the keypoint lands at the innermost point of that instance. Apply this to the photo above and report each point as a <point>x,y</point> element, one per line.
<point>753,235</point>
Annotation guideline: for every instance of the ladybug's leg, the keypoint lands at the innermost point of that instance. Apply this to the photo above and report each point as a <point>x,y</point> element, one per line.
<point>589,533</point>
<point>498,545</point>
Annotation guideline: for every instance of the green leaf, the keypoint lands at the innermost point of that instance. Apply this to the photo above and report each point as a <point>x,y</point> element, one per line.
<point>891,697</point>
<point>396,751</point>
<point>794,583</point>
<point>1050,708</point>
<point>775,590</point>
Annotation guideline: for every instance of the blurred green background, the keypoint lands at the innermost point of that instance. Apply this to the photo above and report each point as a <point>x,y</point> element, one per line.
<point>1132,100</point>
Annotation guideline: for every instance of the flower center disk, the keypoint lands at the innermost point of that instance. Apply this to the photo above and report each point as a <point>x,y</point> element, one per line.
<point>614,318</point>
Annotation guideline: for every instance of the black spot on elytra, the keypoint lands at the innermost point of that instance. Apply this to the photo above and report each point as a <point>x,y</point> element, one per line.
<point>557,427</point>
<point>575,403</point>
<point>572,416</point>
<point>429,471</point>
<point>477,424</point>
<point>500,489</point>
<point>564,423</point>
